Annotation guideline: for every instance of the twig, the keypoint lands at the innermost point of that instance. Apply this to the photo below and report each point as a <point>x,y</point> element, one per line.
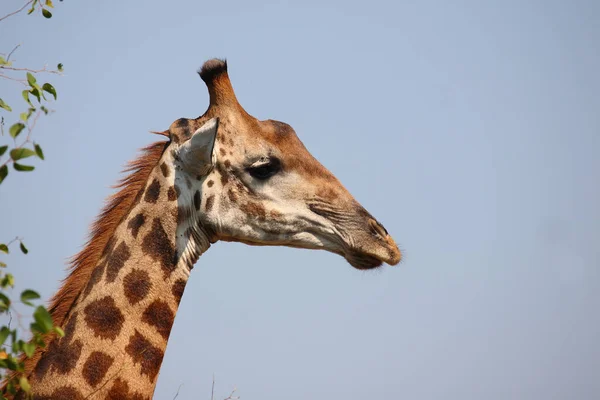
<point>212,394</point>
<point>18,11</point>
<point>20,325</point>
<point>35,71</point>
<point>30,128</point>
<point>230,397</point>
<point>21,81</point>
<point>177,394</point>
<point>12,51</point>
<point>16,239</point>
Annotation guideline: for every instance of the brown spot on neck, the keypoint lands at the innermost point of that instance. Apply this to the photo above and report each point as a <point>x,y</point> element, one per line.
<point>136,285</point>
<point>172,193</point>
<point>164,168</point>
<point>159,315</point>
<point>144,353</point>
<point>62,354</point>
<point>94,279</point>
<point>120,391</point>
<point>152,192</point>
<point>95,367</point>
<point>177,289</point>
<point>104,318</point>
<point>116,261</point>
<point>62,393</point>
<point>136,223</point>
<point>158,246</point>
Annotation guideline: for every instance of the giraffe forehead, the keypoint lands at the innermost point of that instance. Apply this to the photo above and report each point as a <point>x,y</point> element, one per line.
<point>253,136</point>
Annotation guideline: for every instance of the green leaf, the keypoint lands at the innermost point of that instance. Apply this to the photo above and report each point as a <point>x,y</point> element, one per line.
<point>25,94</point>
<point>36,93</point>
<point>11,363</point>
<point>21,152</point>
<point>29,348</point>
<point>35,327</point>
<point>44,109</point>
<point>4,105</point>
<point>4,332</point>
<point>49,3</point>
<point>23,382</point>
<point>23,248</point>
<point>25,115</point>
<point>3,150</point>
<point>50,89</point>
<point>17,346</point>
<point>38,151</point>
<point>43,319</point>
<point>59,67</point>
<point>23,168</point>
<point>4,248</point>
<point>59,331</point>
<point>16,129</point>
<point>3,172</point>
<point>2,61</point>
<point>8,280</point>
<point>29,295</point>
<point>4,302</point>
<point>32,9</point>
<point>2,265</point>
<point>46,13</point>
<point>31,80</point>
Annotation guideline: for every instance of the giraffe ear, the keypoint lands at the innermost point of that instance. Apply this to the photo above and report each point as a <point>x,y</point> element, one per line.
<point>197,153</point>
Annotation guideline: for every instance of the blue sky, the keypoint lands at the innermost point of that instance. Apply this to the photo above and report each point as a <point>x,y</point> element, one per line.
<point>470,129</point>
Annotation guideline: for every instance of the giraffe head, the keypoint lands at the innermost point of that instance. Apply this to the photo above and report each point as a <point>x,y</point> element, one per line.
<point>254,182</point>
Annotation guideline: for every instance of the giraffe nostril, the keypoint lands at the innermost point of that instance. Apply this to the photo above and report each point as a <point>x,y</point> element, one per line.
<point>377,228</point>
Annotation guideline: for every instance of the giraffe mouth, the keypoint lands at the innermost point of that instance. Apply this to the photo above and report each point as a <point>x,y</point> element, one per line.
<point>363,261</point>
<point>358,237</point>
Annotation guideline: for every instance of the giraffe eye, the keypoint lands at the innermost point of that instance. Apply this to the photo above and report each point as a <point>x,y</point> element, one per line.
<point>264,169</point>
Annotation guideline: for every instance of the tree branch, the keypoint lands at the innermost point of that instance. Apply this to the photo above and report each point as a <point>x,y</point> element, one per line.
<point>18,11</point>
<point>22,81</point>
<point>35,71</point>
<point>27,140</point>
<point>11,52</point>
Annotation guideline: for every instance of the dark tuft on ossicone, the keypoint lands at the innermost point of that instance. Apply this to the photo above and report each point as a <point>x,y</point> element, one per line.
<point>212,68</point>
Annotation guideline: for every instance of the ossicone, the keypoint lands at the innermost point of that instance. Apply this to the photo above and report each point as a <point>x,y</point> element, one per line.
<point>214,74</point>
<point>211,69</point>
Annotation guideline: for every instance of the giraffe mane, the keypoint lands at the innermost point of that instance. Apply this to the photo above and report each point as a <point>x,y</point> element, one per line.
<point>116,207</point>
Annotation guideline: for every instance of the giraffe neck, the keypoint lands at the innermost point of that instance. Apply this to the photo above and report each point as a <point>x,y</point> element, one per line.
<point>117,330</point>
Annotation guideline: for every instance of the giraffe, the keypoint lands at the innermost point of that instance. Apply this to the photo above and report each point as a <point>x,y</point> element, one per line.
<point>222,176</point>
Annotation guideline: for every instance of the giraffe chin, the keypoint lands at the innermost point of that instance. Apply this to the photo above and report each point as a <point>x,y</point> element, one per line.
<point>363,261</point>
